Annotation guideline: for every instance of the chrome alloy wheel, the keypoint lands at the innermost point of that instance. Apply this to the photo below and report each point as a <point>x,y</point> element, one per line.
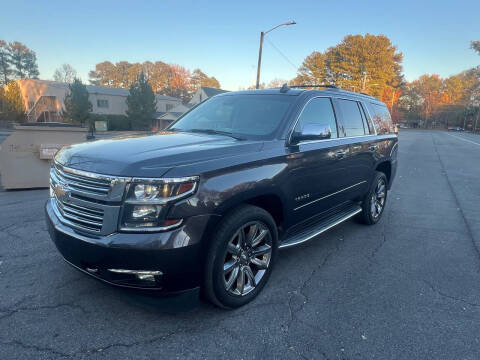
<point>377,202</point>
<point>248,256</point>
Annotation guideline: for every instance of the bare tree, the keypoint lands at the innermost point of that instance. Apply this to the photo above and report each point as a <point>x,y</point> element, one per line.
<point>276,83</point>
<point>66,73</point>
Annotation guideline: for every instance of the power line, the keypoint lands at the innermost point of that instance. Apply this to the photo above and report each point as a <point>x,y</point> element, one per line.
<point>282,54</point>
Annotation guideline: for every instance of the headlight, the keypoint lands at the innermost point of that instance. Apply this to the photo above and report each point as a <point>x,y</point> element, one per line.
<point>147,200</point>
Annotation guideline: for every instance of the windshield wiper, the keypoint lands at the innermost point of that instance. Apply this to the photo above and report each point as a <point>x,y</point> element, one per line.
<point>215,132</point>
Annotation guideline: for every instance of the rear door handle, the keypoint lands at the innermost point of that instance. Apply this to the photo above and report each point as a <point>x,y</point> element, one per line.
<point>373,147</point>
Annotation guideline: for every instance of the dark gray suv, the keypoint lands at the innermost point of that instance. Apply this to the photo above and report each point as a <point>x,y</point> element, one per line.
<point>209,201</point>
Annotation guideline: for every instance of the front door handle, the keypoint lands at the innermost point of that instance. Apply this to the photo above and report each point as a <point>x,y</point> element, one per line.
<point>340,154</point>
<point>373,147</point>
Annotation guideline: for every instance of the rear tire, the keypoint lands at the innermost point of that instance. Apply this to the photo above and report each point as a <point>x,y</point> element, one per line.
<point>241,257</point>
<point>375,200</point>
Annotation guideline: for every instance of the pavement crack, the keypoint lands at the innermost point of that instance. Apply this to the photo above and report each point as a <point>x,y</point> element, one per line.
<point>435,289</point>
<point>292,311</point>
<point>35,348</point>
<point>10,312</point>
<point>125,344</point>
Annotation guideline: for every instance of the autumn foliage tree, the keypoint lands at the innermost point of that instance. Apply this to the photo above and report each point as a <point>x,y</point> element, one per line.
<point>199,79</point>
<point>165,79</point>
<point>313,70</point>
<point>12,102</point>
<point>364,63</point>
<point>178,83</point>
<point>430,88</point>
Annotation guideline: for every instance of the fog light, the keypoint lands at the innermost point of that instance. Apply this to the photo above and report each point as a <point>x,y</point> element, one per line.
<point>145,275</point>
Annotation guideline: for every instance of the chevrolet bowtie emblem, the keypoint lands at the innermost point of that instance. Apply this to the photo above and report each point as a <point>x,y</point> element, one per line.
<point>62,192</point>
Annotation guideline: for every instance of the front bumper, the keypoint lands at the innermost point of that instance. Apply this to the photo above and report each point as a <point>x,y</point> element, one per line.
<point>176,253</point>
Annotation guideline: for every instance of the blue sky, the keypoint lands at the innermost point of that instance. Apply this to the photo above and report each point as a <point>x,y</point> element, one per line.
<point>221,37</point>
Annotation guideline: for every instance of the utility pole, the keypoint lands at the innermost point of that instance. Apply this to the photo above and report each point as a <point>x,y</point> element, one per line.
<point>476,120</point>
<point>262,35</point>
<point>364,81</point>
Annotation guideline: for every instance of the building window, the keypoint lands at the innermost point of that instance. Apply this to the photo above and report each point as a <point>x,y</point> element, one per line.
<point>169,107</point>
<point>101,103</point>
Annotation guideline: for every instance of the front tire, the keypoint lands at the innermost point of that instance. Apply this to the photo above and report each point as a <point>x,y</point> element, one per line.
<point>241,257</point>
<point>375,200</point>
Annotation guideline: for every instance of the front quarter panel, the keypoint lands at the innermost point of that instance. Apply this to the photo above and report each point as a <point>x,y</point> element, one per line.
<point>224,189</point>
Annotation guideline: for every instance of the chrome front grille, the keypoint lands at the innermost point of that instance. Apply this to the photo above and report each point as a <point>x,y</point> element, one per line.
<point>82,182</point>
<point>83,217</point>
<point>86,201</point>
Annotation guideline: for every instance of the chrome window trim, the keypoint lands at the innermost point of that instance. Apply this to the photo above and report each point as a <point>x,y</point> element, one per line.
<point>370,118</point>
<point>327,196</point>
<point>336,139</point>
<point>289,140</point>
<point>360,101</point>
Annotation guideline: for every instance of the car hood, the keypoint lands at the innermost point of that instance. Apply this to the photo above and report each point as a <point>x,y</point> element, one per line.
<point>151,155</point>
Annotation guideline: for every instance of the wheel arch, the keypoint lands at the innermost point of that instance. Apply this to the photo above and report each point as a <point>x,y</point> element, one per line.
<point>386,168</point>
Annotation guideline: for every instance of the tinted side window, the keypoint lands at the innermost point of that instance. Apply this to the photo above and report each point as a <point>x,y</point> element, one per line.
<point>352,118</point>
<point>366,120</point>
<point>318,111</point>
<point>381,119</point>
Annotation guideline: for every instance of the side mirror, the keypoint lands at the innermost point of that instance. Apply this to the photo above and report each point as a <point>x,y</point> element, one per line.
<point>312,132</point>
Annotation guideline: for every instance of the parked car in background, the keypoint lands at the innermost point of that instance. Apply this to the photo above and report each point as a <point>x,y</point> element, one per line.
<point>210,201</point>
<point>455,128</point>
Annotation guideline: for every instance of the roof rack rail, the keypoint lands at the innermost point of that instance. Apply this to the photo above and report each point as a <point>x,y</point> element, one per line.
<point>314,85</point>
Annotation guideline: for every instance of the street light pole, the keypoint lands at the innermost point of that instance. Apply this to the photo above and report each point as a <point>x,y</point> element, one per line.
<point>262,35</point>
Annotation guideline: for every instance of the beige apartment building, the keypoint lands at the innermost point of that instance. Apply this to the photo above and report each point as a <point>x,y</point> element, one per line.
<point>44,100</point>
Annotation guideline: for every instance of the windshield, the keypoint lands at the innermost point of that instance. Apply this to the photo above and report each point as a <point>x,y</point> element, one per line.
<point>240,116</point>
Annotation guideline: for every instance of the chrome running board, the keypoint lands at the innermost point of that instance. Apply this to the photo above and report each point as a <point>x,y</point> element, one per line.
<point>320,226</point>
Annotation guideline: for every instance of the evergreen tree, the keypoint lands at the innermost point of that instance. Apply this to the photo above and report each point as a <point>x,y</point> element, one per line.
<point>5,70</point>
<point>141,103</point>
<point>77,105</point>
<point>24,60</point>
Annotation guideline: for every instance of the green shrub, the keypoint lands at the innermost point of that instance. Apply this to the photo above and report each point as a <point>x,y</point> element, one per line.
<point>114,122</point>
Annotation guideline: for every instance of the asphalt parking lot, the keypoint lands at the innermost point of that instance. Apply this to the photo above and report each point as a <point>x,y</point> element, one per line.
<point>407,288</point>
